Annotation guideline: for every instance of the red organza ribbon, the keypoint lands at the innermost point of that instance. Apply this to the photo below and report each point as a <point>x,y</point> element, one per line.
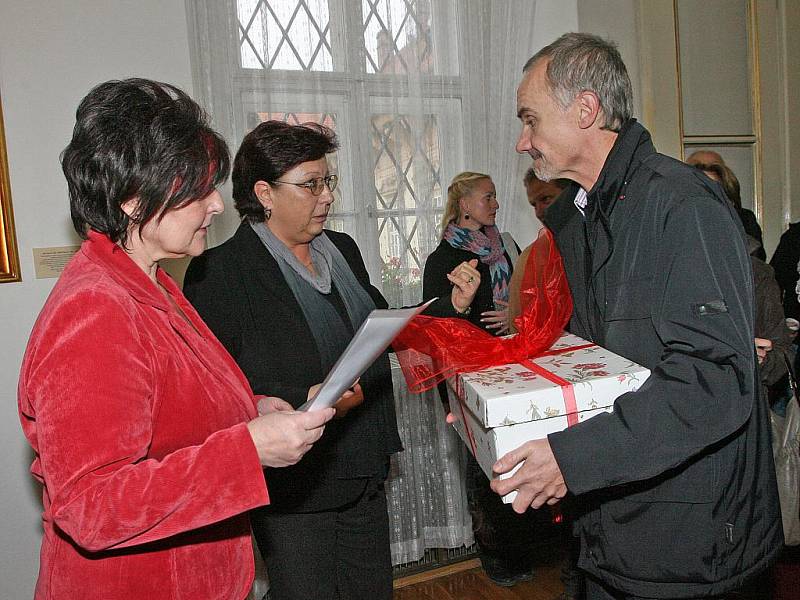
<point>431,349</point>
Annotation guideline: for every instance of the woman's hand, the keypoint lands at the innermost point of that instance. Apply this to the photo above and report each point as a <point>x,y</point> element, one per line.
<point>465,279</point>
<point>283,436</point>
<point>350,399</point>
<point>268,404</point>
<point>496,319</point>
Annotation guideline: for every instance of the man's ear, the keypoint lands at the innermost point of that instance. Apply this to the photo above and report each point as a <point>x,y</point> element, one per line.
<point>588,109</point>
<point>263,192</point>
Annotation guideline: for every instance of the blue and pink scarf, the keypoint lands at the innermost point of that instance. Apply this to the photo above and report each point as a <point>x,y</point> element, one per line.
<point>487,245</point>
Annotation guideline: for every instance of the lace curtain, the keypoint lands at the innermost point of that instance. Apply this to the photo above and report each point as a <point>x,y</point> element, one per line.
<point>417,91</point>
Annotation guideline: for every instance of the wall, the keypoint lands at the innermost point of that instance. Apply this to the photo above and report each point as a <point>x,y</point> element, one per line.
<point>773,67</point>
<point>776,35</point>
<point>791,30</point>
<point>51,54</point>
<point>615,20</point>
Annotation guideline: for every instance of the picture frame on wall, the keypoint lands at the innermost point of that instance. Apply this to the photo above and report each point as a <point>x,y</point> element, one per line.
<point>9,254</point>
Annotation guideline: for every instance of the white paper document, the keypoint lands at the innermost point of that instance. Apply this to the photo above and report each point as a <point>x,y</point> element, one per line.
<point>371,339</point>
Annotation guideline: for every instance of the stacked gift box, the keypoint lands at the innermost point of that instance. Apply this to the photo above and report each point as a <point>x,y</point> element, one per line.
<point>500,408</point>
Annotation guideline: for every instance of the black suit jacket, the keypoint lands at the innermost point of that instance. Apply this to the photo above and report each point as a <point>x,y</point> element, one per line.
<point>240,292</point>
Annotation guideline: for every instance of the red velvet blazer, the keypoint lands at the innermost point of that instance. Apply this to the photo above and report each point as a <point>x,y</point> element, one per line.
<point>137,422</point>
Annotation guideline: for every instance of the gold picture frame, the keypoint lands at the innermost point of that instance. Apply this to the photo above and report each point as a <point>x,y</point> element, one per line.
<point>9,255</point>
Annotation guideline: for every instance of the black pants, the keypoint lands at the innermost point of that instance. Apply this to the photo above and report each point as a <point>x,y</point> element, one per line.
<point>505,539</point>
<point>336,554</point>
<point>573,578</point>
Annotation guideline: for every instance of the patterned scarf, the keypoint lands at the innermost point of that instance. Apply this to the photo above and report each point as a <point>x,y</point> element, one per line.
<point>488,246</point>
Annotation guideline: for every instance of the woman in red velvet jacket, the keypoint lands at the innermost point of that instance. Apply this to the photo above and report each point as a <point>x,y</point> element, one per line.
<point>145,432</point>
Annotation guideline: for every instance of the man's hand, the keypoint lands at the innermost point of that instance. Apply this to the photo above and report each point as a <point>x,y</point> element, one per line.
<point>762,347</point>
<point>497,319</point>
<point>538,481</point>
<point>350,399</point>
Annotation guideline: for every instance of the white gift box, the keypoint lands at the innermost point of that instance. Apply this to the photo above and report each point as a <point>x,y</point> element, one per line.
<point>501,408</point>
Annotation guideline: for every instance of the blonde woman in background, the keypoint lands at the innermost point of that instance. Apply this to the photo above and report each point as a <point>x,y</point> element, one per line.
<point>469,232</point>
<point>505,539</point>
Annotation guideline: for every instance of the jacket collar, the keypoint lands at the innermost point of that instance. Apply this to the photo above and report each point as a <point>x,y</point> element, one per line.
<point>632,146</point>
<point>251,250</point>
<point>253,257</point>
<point>99,249</point>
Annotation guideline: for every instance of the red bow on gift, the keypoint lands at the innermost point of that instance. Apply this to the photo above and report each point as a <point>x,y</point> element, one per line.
<point>431,349</point>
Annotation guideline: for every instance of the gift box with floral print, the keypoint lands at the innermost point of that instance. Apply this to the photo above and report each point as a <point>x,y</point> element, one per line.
<point>500,408</point>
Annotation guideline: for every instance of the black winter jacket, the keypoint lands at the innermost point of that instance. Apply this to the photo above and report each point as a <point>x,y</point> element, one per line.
<point>784,261</point>
<point>239,290</point>
<point>678,482</point>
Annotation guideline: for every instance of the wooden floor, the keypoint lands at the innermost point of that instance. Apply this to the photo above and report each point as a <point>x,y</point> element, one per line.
<point>472,584</point>
<point>467,581</point>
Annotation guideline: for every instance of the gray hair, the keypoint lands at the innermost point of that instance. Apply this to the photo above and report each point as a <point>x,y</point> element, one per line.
<point>582,62</point>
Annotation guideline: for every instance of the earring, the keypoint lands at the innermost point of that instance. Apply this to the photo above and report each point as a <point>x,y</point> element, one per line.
<point>466,216</point>
<point>267,213</point>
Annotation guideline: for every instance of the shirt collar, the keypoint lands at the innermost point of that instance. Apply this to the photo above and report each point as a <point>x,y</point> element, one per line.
<point>581,200</point>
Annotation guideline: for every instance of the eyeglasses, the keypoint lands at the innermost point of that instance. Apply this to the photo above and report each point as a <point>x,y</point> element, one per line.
<point>315,186</point>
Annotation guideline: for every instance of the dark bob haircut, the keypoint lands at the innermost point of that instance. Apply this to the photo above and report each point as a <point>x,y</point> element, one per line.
<point>269,151</point>
<point>138,139</point>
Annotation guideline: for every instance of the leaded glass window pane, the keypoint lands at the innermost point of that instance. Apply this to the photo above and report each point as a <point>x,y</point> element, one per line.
<point>291,35</point>
<point>408,200</point>
<point>397,36</point>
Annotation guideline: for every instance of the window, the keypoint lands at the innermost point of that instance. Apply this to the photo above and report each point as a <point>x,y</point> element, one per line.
<point>284,35</point>
<point>384,75</point>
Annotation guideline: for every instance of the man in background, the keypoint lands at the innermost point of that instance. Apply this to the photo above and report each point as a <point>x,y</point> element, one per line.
<point>541,194</point>
<point>705,157</point>
<point>677,484</point>
<point>785,262</point>
<point>711,163</point>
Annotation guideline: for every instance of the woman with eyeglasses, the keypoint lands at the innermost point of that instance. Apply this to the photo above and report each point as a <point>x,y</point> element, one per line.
<point>285,296</point>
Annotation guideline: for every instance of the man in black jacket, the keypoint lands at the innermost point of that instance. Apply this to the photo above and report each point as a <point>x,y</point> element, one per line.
<point>785,262</point>
<point>677,484</point>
